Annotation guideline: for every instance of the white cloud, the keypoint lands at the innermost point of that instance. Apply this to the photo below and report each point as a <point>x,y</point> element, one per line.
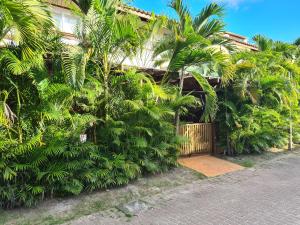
<point>233,3</point>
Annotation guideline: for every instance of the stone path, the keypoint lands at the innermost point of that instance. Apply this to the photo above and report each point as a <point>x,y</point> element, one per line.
<point>267,195</point>
<point>209,166</point>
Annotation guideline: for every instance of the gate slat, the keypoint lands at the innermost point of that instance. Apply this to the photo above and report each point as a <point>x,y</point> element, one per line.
<point>199,138</point>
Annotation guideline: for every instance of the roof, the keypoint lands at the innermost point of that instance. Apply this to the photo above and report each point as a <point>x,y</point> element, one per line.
<point>139,12</point>
<point>235,35</point>
<point>240,40</point>
<point>245,44</point>
<point>124,8</point>
<point>60,3</point>
<point>253,47</point>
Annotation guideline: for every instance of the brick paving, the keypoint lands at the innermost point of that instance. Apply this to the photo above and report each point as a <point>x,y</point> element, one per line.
<point>267,195</point>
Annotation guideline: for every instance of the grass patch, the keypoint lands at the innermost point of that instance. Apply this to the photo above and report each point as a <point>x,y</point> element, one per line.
<point>200,176</point>
<point>247,163</point>
<point>3,217</point>
<point>196,174</point>
<point>99,205</point>
<point>51,220</point>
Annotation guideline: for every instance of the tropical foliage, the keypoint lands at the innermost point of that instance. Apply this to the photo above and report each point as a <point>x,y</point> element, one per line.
<point>70,119</point>
<point>194,43</point>
<point>259,107</point>
<point>73,120</point>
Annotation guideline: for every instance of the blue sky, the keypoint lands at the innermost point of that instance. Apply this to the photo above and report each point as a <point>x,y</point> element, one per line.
<point>277,19</point>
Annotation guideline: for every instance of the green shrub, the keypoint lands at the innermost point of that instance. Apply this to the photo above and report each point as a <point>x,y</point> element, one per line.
<point>137,138</point>
<point>258,103</point>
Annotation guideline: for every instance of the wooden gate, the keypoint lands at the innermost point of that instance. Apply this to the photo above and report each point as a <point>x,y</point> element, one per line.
<point>200,138</point>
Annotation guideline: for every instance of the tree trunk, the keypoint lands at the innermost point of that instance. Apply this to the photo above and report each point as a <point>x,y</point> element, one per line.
<point>291,122</point>
<point>106,73</point>
<point>228,150</point>
<point>291,135</point>
<point>177,114</point>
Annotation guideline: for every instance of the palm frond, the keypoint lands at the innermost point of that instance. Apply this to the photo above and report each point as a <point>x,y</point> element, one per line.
<point>182,12</point>
<point>211,99</point>
<point>205,24</point>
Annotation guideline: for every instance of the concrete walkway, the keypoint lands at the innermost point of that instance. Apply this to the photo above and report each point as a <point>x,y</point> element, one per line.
<point>209,166</point>
<point>267,195</point>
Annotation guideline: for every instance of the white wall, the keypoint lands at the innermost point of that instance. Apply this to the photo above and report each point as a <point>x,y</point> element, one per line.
<point>144,58</point>
<point>66,22</point>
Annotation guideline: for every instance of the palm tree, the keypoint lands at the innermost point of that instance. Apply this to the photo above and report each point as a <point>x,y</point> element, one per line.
<point>266,44</point>
<point>21,27</point>
<point>297,42</point>
<point>106,38</point>
<point>190,44</point>
<point>265,81</point>
<point>297,51</point>
<point>263,43</point>
<point>22,23</point>
<point>288,64</point>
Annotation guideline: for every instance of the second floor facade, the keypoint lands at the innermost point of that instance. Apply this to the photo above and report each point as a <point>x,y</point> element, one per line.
<point>66,22</point>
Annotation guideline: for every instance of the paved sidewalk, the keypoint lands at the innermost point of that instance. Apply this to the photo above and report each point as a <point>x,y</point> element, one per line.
<point>268,195</point>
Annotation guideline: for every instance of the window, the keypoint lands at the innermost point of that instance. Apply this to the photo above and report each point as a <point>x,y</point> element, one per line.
<point>69,24</point>
<point>57,20</point>
<point>64,20</point>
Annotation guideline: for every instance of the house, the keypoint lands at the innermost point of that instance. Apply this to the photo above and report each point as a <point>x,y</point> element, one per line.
<point>66,22</point>
<point>240,42</point>
<point>143,60</point>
